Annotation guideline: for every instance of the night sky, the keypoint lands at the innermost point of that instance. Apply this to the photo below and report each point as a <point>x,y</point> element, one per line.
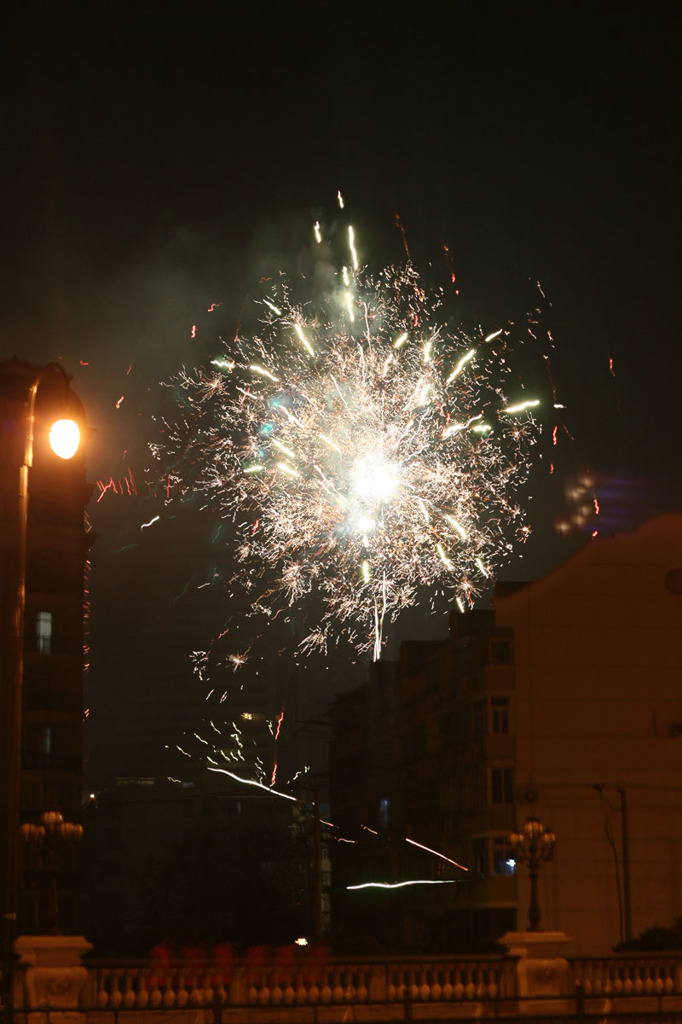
<point>158,159</point>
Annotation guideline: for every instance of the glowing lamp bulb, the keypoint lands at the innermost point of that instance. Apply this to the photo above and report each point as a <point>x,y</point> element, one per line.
<point>65,438</point>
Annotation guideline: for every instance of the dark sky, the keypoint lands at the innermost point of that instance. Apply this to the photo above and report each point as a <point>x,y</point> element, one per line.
<point>158,158</point>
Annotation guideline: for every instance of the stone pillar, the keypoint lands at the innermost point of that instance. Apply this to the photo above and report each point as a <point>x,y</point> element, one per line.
<point>54,977</point>
<point>541,971</point>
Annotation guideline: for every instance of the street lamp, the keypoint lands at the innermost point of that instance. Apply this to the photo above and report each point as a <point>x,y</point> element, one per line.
<point>535,845</point>
<point>52,836</point>
<point>63,435</point>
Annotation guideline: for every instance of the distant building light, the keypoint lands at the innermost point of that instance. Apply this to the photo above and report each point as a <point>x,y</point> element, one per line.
<point>44,632</point>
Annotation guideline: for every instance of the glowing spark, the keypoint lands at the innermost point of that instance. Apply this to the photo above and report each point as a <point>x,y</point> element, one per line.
<point>223,364</point>
<point>150,523</point>
<point>318,232</point>
<point>339,199</point>
<point>365,571</point>
<point>461,364</point>
<point>483,569</point>
<point>530,404</point>
<point>351,245</point>
<point>254,469</point>
<point>283,448</point>
<point>271,305</point>
<point>349,307</point>
<point>494,335</point>
<point>401,885</point>
<point>299,331</point>
<point>399,342</point>
<point>214,305</point>
<point>264,373</point>
<point>328,440</point>
<point>287,469</point>
<point>118,404</point>
<point>444,558</point>
<point>454,428</point>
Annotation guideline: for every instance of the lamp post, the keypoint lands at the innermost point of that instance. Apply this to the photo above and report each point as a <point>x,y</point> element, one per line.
<point>534,844</point>
<point>63,436</point>
<point>51,837</point>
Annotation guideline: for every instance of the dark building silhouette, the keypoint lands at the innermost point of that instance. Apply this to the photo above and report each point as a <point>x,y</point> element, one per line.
<point>197,864</point>
<point>57,543</point>
<point>564,701</point>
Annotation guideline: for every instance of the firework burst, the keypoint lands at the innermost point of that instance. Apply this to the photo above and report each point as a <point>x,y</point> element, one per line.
<point>365,452</point>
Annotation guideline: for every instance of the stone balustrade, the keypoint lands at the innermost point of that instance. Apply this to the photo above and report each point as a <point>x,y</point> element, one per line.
<point>134,985</point>
<point>330,990</point>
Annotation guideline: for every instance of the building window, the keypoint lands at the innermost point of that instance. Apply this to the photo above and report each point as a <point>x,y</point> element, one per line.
<point>499,715</point>
<point>500,649</point>
<point>503,856</point>
<point>491,715</point>
<point>44,632</point>
<point>502,785</point>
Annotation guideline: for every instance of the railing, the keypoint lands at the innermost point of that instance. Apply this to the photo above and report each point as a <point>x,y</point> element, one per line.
<point>400,989</point>
<point>627,975</point>
<point>131,985</point>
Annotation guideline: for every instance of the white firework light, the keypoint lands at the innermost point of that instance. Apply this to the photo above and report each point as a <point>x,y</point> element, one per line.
<point>366,453</point>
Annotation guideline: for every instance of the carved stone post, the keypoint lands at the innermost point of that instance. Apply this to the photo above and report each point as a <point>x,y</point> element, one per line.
<point>54,977</point>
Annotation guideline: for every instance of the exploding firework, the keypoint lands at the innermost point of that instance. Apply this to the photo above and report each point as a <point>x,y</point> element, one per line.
<point>365,452</point>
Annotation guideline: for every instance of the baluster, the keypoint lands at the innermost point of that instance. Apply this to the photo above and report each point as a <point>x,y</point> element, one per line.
<point>115,997</point>
<point>362,989</point>
<point>128,993</point>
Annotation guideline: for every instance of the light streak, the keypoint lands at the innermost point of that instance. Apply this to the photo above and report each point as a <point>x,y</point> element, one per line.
<point>521,406</point>
<point>402,885</point>
<point>254,782</point>
<point>150,523</point>
<point>462,363</point>
<point>318,232</point>
<point>436,853</point>
<point>264,373</point>
<point>299,331</point>
<point>351,245</point>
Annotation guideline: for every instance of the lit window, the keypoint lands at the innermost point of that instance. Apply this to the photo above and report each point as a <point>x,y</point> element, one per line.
<point>44,632</point>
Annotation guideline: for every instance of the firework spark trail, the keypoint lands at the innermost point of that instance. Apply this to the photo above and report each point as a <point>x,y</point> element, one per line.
<point>379,454</point>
